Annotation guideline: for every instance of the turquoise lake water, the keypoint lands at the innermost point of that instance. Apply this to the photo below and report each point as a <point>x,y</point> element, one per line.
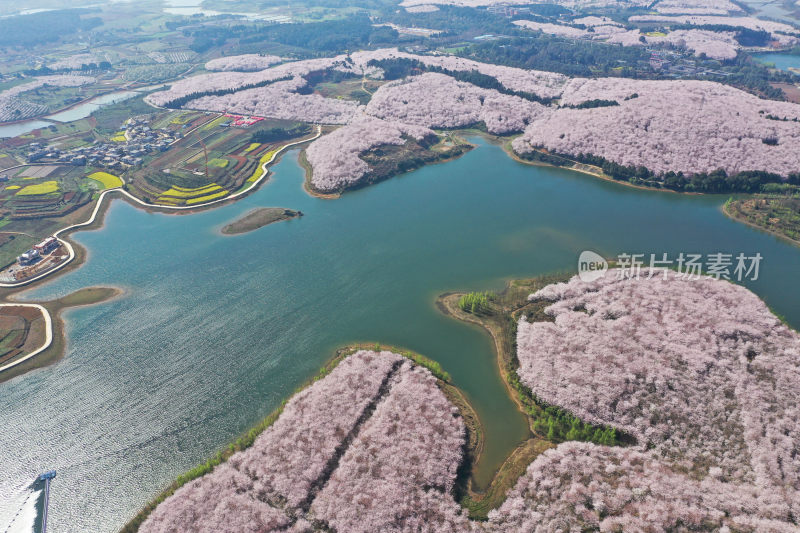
<point>215,331</point>
<point>781,60</point>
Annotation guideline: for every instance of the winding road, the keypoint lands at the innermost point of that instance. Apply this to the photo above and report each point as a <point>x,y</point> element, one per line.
<point>48,340</point>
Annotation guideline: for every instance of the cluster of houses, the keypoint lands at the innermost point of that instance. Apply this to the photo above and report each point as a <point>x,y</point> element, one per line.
<point>677,65</point>
<point>140,140</point>
<point>38,251</point>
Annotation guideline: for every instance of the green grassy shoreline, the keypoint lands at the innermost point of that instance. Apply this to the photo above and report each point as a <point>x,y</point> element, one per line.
<point>549,425</point>
<point>784,225</point>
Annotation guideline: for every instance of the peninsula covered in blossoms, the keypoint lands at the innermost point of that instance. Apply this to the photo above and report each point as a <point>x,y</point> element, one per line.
<point>410,348</point>
<point>377,443</point>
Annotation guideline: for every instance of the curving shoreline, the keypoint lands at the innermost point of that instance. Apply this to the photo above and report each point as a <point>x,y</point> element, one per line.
<point>526,465</point>
<point>54,337</point>
<point>54,346</point>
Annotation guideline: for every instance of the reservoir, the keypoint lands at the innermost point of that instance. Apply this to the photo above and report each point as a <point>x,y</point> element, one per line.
<point>87,108</point>
<point>214,331</point>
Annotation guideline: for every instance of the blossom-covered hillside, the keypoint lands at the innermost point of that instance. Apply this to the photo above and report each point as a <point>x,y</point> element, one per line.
<point>74,62</point>
<point>585,487</point>
<point>281,100</point>
<point>689,126</point>
<point>720,45</point>
<point>718,7</point>
<point>439,101</point>
<point>335,157</point>
<point>243,63</point>
<point>307,471</point>
<point>679,126</point>
<point>699,371</point>
<point>398,474</point>
<point>14,107</point>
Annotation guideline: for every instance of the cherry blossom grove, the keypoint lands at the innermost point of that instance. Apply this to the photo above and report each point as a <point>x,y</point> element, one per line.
<point>699,371</point>
<point>398,474</point>
<point>281,100</point>
<point>585,487</point>
<point>335,157</point>
<point>374,408</point>
<point>61,80</point>
<point>689,126</point>
<point>697,7</point>
<point>74,62</point>
<point>231,81</point>
<point>593,20</point>
<point>541,83</point>
<point>572,4</point>
<point>552,29</point>
<point>243,63</point>
<point>438,101</point>
<point>705,20</point>
<point>627,38</point>
<point>716,45</point>
<point>287,458</point>
<point>598,32</point>
<point>660,128</point>
<point>422,8</point>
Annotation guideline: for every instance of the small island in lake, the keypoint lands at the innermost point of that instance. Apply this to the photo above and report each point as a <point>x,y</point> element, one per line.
<point>258,218</point>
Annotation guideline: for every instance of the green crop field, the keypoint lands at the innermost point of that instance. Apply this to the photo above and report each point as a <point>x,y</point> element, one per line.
<point>218,162</point>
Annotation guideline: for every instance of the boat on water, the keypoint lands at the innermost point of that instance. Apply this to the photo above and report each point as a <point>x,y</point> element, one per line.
<point>47,475</point>
<point>46,478</point>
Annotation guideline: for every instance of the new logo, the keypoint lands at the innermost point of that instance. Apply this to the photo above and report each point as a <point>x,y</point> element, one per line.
<point>591,266</point>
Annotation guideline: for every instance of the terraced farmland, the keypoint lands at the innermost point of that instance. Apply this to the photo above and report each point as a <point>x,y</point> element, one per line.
<point>47,191</point>
<point>181,177</point>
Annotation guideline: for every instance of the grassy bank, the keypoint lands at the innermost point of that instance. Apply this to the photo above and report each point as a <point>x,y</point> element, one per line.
<point>547,160</point>
<point>775,214</point>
